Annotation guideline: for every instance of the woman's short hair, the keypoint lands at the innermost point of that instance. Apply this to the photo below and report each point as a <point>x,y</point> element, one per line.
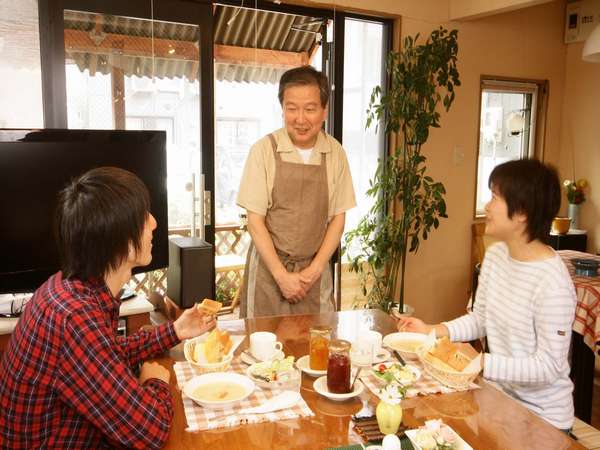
<point>532,188</point>
<point>302,76</point>
<point>98,216</point>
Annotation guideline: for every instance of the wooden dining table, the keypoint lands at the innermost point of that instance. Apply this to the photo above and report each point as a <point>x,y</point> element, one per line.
<point>485,418</point>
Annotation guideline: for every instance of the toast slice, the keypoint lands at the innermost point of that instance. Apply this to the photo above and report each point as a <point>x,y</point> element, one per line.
<point>456,355</point>
<point>217,344</point>
<point>209,306</point>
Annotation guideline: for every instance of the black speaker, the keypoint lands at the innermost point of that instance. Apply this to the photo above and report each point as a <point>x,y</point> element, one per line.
<point>191,276</point>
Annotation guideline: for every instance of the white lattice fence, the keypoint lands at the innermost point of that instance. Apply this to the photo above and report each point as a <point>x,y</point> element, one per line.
<point>229,240</point>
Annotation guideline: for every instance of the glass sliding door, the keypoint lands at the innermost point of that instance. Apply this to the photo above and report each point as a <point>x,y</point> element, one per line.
<point>138,74</point>
<point>252,49</point>
<point>137,66</point>
<point>365,49</point>
<point>21,87</point>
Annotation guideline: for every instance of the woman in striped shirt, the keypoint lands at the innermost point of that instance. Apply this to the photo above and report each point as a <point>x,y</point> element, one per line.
<point>525,301</point>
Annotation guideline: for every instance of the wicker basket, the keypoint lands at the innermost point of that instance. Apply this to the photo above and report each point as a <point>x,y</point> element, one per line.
<point>200,367</point>
<point>450,378</point>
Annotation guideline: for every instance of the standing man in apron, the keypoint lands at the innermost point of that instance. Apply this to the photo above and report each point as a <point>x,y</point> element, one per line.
<point>296,188</point>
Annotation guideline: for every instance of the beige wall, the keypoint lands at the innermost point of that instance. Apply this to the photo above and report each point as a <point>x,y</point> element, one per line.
<point>431,10</point>
<point>471,9</point>
<point>580,137</point>
<point>526,43</point>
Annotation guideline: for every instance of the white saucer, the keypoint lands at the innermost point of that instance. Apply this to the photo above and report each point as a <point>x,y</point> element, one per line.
<point>320,386</point>
<point>247,357</point>
<point>304,365</point>
<point>382,356</point>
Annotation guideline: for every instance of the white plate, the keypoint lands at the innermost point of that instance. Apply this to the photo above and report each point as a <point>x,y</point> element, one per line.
<point>459,443</point>
<point>320,386</point>
<point>290,378</point>
<point>304,365</point>
<point>218,377</point>
<point>382,356</point>
<point>247,357</point>
<point>413,369</point>
<point>392,340</point>
<point>236,340</point>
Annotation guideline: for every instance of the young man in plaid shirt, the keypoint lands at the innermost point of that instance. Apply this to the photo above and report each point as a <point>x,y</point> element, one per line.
<point>66,380</point>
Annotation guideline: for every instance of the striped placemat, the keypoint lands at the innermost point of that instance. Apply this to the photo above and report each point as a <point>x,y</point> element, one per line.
<point>199,418</point>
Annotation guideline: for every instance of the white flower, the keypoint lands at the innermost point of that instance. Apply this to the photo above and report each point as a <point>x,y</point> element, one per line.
<point>392,393</point>
<point>425,439</point>
<point>435,434</point>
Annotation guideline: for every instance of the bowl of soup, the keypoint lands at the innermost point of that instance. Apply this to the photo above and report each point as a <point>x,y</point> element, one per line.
<point>218,390</point>
<point>405,342</point>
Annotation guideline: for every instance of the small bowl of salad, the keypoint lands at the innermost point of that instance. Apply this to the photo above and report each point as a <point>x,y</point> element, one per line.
<point>276,374</point>
<point>389,372</point>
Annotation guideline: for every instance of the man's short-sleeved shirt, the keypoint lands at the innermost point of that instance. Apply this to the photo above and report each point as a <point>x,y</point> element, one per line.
<point>258,178</point>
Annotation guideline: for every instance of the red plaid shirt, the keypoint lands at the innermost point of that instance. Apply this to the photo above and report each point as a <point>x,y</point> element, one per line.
<point>66,379</point>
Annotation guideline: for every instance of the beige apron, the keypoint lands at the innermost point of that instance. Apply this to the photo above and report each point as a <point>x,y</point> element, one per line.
<point>296,221</point>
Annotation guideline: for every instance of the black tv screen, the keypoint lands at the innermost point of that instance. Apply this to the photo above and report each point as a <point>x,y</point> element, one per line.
<point>36,164</point>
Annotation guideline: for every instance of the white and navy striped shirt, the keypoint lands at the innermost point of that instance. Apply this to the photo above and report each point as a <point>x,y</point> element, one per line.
<point>526,310</point>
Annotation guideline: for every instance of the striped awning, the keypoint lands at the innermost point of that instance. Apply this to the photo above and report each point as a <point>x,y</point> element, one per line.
<point>140,47</point>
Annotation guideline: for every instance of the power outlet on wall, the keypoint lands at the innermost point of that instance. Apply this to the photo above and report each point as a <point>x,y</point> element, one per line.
<point>458,155</point>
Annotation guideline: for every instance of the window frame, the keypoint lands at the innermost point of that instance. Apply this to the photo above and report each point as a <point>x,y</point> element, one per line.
<point>539,108</point>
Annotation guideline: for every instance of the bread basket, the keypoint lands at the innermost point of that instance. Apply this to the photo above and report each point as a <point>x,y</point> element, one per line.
<point>201,367</point>
<point>444,373</point>
<point>450,378</point>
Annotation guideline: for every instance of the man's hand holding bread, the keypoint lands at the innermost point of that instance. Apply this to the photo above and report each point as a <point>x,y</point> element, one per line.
<point>196,321</point>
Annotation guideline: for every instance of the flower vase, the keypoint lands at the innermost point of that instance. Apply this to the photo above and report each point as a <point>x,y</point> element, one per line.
<point>574,215</point>
<point>389,417</point>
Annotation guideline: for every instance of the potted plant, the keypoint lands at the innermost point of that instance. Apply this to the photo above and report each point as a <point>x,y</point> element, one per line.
<point>407,203</point>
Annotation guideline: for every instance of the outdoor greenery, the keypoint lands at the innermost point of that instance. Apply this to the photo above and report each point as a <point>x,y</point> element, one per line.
<point>408,204</point>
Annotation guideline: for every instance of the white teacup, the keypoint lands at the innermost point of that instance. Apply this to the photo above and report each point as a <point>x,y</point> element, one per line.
<point>263,345</point>
<point>375,338</point>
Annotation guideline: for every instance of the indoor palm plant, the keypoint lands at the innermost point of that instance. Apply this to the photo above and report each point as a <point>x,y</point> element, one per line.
<point>408,204</point>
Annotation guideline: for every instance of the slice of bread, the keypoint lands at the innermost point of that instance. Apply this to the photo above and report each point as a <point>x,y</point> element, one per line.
<point>210,306</point>
<point>456,355</point>
<point>217,344</point>
<point>212,347</point>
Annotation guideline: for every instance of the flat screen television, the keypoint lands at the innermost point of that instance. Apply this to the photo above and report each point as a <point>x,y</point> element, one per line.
<point>36,164</point>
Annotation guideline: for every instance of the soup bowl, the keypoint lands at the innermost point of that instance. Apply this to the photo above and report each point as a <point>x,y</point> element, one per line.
<point>218,390</point>
<point>405,342</point>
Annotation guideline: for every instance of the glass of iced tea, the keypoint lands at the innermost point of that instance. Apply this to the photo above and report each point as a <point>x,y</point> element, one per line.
<point>338,367</point>
<point>319,347</point>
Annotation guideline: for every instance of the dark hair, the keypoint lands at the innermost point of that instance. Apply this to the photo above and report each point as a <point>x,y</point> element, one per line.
<point>532,188</point>
<point>302,76</point>
<point>98,216</point>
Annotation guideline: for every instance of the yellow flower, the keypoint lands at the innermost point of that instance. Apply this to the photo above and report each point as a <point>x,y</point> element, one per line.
<point>582,183</point>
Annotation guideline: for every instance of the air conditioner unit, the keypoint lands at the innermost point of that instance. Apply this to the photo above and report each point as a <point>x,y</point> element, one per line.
<point>581,18</point>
